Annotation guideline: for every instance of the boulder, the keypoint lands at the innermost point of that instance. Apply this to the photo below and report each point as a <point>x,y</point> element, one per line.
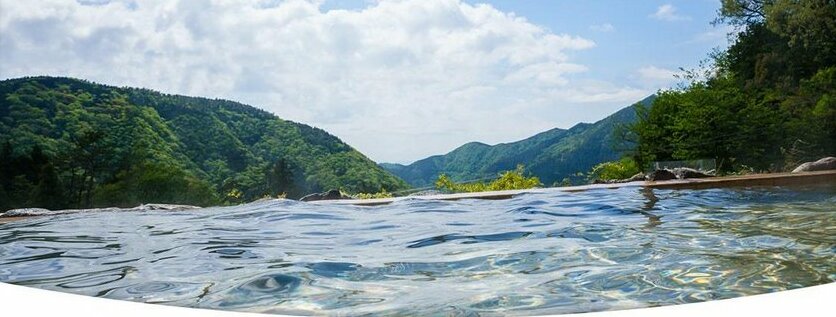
<point>333,194</point>
<point>684,172</point>
<point>430,192</point>
<point>24,212</point>
<point>661,175</point>
<point>827,163</point>
<point>636,178</point>
<point>171,207</point>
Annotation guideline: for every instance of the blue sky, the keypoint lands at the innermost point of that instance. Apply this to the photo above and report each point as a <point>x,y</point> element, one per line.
<point>627,34</point>
<point>399,80</point>
<point>636,39</point>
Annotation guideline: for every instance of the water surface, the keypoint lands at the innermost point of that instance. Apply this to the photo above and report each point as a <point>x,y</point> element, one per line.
<point>543,253</point>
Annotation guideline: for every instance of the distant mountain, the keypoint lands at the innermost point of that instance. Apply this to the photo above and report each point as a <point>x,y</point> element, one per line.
<point>551,155</point>
<point>71,143</point>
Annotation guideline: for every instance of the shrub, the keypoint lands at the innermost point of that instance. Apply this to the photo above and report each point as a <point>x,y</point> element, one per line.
<point>507,180</point>
<point>382,194</point>
<point>621,169</point>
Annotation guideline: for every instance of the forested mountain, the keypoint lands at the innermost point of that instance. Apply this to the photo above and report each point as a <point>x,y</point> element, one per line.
<point>552,155</point>
<point>767,103</point>
<point>67,143</point>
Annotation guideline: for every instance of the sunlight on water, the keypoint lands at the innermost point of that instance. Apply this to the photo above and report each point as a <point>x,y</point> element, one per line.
<point>544,253</point>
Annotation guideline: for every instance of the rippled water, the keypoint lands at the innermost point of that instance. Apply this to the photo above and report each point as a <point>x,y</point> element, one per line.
<point>544,253</point>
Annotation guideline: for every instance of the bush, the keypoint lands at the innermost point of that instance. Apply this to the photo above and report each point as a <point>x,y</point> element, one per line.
<point>507,180</point>
<point>621,169</point>
<point>382,194</point>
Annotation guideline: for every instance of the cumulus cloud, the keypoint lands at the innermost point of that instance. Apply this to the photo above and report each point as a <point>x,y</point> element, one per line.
<point>606,27</point>
<point>398,80</point>
<point>719,35</point>
<point>657,77</point>
<point>667,12</point>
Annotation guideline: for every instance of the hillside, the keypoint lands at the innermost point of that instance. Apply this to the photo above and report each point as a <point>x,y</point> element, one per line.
<point>769,102</point>
<point>551,155</point>
<point>68,143</point>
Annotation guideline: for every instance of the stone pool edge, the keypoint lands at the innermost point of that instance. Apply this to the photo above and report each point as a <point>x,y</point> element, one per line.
<point>769,179</point>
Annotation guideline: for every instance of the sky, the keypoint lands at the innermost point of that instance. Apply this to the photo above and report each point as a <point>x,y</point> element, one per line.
<point>398,80</point>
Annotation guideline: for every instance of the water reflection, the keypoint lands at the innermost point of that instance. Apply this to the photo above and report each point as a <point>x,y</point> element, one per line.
<point>650,205</point>
<point>544,253</point>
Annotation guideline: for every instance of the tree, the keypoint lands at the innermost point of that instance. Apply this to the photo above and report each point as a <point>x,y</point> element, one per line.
<point>154,183</point>
<point>281,179</point>
<point>48,192</point>
<point>742,12</point>
<point>94,141</point>
<point>87,159</point>
<point>768,104</point>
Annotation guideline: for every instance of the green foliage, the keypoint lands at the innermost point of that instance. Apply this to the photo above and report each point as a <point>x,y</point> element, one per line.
<point>507,180</point>
<point>551,155</point>
<point>563,183</point>
<point>381,194</point>
<point>769,103</point>
<point>281,179</point>
<point>616,170</point>
<point>514,180</point>
<point>68,143</point>
<point>806,28</point>
<point>149,182</point>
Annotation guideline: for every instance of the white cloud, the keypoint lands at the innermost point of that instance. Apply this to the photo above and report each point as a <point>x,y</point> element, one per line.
<point>606,27</point>
<point>667,12</point>
<point>718,35</point>
<point>657,77</point>
<point>399,80</point>
<point>656,73</point>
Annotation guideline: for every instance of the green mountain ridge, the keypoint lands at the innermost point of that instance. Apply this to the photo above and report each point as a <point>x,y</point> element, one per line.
<point>550,155</point>
<point>100,145</point>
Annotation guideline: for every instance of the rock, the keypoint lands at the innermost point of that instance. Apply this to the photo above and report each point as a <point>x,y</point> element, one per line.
<point>431,192</point>
<point>684,172</point>
<point>171,207</point>
<point>333,194</point>
<point>825,164</point>
<point>263,199</point>
<point>24,212</point>
<point>635,178</point>
<point>661,175</point>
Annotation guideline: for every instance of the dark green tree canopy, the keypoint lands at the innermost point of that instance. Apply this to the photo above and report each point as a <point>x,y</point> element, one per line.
<point>71,143</point>
<point>769,103</point>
